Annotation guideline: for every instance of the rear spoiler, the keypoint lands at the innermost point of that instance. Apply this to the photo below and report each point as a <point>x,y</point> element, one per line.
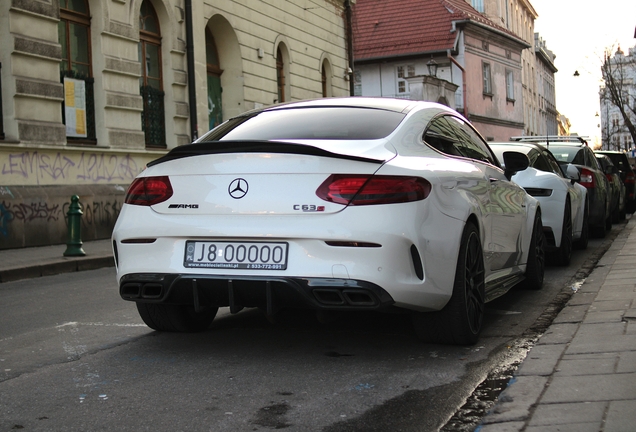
<point>220,147</point>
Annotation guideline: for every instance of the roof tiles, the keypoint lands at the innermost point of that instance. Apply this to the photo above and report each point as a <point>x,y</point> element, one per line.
<point>388,28</point>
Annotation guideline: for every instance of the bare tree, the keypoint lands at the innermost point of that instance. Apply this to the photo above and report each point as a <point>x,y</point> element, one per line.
<point>619,75</point>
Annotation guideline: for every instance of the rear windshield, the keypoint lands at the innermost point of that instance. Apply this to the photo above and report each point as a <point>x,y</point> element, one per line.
<point>570,154</point>
<point>328,123</point>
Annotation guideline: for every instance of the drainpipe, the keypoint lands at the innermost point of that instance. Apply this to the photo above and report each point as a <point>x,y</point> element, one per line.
<point>349,18</point>
<point>452,59</point>
<point>192,94</point>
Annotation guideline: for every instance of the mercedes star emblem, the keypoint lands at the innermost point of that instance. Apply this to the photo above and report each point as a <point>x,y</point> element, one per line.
<point>238,188</point>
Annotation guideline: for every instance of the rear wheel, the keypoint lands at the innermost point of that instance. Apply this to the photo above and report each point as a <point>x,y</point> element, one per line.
<point>462,318</point>
<point>564,253</point>
<point>176,318</point>
<point>608,221</point>
<point>535,267</point>
<point>616,213</point>
<point>601,229</point>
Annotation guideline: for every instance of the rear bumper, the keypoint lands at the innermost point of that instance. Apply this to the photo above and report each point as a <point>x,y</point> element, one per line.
<point>269,294</point>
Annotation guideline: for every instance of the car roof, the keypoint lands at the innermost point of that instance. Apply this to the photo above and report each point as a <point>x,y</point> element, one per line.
<point>575,140</point>
<point>524,146</point>
<point>391,104</point>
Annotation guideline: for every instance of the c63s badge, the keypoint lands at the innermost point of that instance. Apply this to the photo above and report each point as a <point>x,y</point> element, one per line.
<point>308,208</point>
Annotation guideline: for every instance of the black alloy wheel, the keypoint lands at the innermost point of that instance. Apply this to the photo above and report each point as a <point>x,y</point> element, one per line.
<point>535,268</point>
<point>461,320</point>
<point>564,253</point>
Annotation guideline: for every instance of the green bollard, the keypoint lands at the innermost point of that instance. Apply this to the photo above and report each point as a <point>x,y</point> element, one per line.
<point>74,242</point>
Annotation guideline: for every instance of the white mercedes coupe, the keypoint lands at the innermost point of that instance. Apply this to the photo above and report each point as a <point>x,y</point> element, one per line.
<point>564,202</point>
<point>338,204</point>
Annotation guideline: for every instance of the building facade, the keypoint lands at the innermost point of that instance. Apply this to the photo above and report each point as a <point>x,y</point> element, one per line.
<point>614,132</point>
<point>91,90</point>
<point>478,62</point>
<point>547,116</point>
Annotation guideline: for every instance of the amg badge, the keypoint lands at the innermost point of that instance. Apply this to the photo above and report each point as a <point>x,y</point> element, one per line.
<point>193,206</point>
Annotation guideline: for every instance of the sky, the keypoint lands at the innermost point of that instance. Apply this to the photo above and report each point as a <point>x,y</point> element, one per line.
<point>579,32</point>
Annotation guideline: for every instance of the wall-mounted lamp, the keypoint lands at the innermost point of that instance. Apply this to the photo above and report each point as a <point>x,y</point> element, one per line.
<point>259,52</point>
<point>347,75</point>
<point>432,67</point>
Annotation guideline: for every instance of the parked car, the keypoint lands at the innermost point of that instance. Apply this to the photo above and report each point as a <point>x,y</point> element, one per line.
<point>617,188</point>
<point>620,160</point>
<point>337,204</point>
<point>575,150</point>
<point>564,207</point>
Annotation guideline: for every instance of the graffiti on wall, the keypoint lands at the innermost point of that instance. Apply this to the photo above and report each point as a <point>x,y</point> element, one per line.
<point>42,167</point>
<point>95,213</point>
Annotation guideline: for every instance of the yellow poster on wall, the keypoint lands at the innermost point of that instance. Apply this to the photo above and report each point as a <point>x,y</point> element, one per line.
<point>75,107</point>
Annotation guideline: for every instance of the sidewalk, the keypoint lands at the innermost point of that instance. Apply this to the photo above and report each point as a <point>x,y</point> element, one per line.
<point>32,262</point>
<point>581,374</point>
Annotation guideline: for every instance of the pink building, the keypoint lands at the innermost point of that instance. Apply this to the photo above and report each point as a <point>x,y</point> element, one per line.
<point>477,64</point>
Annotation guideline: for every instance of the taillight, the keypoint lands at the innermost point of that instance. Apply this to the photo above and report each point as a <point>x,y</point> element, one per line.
<point>630,178</point>
<point>587,178</point>
<point>356,189</point>
<point>147,191</point>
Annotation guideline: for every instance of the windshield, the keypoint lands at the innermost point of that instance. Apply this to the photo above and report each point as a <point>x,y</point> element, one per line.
<point>328,123</point>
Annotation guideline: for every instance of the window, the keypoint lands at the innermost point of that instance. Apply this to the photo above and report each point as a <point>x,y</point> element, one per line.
<point>487,78</point>
<point>357,83</point>
<point>478,5</point>
<point>215,113</point>
<point>403,72</point>
<point>471,144</point>
<point>333,123</point>
<point>74,35</point>
<point>280,75</point>
<point>150,83</point>
<point>325,78</point>
<point>510,85</point>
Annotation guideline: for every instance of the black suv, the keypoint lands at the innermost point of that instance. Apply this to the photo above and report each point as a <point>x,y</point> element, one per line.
<point>625,171</point>
<point>575,150</point>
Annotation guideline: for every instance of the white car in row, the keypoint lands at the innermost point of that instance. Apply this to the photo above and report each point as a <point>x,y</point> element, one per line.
<point>564,203</point>
<point>351,204</point>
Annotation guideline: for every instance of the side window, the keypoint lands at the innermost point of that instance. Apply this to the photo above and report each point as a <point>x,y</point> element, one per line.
<point>591,159</point>
<point>556,168</point>
<point>440,136</point>
<point>579,159</point>
<point>470,143</point>
<point>540,162</point>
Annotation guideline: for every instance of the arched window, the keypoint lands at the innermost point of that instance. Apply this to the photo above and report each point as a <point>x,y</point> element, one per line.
<point>325,78</point>
<point>280,75</point>
<point>151,86</point>
<point>74,35</point>
<point>215,113</point>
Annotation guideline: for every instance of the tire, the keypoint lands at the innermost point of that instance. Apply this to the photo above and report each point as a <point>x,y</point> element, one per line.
<point>461,320</point>
<point>535,267</point>
<point>616,214</point>
<point>581,242</point>
<point>564,253</point>
<point>600,231</point>
<point>175,318</point>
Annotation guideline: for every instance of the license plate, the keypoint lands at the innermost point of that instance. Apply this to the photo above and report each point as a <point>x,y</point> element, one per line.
<point>236,255</point>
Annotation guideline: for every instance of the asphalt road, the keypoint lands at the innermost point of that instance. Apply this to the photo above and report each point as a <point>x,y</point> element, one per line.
<point>75,357</point>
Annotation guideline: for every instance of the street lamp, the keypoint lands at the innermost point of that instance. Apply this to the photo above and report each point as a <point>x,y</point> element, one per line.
<point>432,67</point>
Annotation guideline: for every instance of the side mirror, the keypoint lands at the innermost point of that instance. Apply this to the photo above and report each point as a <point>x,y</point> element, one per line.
<point>572,173</point>
<point>514,162</point>
<point>611,169</point>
